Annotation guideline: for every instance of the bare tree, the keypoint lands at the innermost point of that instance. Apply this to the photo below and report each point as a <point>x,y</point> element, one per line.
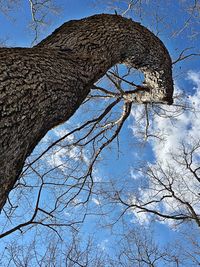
<point>136,247</point>
<point>59,72</point>
<point>171,192</point>
<point>39,11</point>
<point>59,188</point>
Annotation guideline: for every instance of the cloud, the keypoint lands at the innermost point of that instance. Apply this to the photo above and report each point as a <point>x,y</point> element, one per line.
<point>103,245</point>
<point>64,154</point>
<point>96,201</point>
<point>182,129</point>
<point>179,129</point>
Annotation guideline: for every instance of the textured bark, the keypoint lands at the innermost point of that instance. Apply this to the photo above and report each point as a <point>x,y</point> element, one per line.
<point>43,86</point>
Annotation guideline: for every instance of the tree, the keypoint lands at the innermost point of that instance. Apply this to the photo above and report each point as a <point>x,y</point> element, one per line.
<point>66,190</point>
<point>58,74</point>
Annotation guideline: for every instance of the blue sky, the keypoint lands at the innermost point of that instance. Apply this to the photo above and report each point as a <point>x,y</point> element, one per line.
<point>17,22</point>
<point>118,164</point>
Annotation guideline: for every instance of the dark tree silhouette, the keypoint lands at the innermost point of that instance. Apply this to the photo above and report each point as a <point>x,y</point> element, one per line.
<point>43,86</point>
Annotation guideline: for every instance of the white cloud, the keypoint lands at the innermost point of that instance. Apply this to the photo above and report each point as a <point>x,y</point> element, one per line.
<point>60,132</point>
<point>103,244</point>
<point>96,201</point>
<point>184,128</point>
<point>135,175</point>
<point>64,154</point>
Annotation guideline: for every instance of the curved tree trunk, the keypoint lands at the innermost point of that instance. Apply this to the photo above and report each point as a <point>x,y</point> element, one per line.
<point>43,86</point>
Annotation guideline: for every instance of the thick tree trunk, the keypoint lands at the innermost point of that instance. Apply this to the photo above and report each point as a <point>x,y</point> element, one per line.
<point>43,86</point>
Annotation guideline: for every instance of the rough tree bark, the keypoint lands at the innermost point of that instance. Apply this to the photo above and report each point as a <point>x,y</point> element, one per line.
<point>43,86</point>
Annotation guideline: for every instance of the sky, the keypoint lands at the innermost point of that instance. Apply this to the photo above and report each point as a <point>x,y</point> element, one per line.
<point>120,165</point>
